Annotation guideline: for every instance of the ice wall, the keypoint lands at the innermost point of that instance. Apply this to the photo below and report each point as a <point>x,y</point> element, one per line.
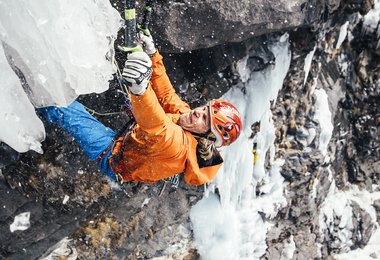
<point>20,127</point>
<point>231,226</point>
<point>60,49</point>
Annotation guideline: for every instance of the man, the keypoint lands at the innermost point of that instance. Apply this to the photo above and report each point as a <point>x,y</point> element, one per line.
<point>168,138</point>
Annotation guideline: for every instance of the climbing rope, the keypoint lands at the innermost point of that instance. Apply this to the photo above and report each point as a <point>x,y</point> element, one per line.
<point>94,112</point>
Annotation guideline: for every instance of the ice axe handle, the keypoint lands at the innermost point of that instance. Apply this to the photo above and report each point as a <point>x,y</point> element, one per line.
<point>130,28</point>
<point>147,16</point>
<point>130,44</point>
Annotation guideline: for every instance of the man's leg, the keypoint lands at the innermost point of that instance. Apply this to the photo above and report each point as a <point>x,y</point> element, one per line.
<point>92,136</point>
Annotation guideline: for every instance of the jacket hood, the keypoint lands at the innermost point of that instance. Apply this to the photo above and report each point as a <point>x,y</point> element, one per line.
<point>193,174</point>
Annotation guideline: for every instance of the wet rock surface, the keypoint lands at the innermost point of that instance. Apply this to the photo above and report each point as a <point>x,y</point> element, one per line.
<point>187,24</point>
<point>67,197</point>
<point>353,90</point>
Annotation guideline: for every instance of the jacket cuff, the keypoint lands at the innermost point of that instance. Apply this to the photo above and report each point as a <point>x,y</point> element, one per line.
<point>156,56</point>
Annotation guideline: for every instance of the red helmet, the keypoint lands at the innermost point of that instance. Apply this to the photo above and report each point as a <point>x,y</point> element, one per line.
<point>225,122</point>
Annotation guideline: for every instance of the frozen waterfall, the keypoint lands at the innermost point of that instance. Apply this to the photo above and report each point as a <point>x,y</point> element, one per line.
<point>59,49</point>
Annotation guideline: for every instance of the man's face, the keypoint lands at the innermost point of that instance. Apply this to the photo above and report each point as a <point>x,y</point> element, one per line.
<point>196,121</point>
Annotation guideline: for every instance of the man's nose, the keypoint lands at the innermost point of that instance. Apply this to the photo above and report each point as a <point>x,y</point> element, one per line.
<point>196,113</point>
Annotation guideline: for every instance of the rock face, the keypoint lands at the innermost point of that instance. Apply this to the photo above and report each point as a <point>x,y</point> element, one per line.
<point>349,76</point>
<point>181,26</point>
<point>202,39</point>
<point>67,197</point>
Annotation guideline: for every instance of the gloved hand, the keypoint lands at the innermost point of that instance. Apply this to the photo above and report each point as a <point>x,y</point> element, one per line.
<point>137,71</point>
<point>146,42</point>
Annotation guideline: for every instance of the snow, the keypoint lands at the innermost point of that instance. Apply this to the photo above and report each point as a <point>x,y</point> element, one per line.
<point>63,48</point>
<point>215,239</point>
<point>237,229</point>
<point>243,70</point>
<point>21,222</point>
<point>336,210</point>
<point>288,251</point>
<point>342,35</point>
<point>323,116</point>
<point>181,247</point>
<point>372,18</point>
<point>308,60</point>
<point>370,251</point>
<point>61,250</point>
<point>145,202</point>
<point>313,193</point>
<point>372,21</point>
<point>65,199</point>
<point>337,207</point>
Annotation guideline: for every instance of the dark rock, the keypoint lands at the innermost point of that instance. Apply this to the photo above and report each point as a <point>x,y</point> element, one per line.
<point>354,157</point>
<point>7,155</point>
<point>361,6</point>
<point>203,74</point>
<point>49,224</point>
<point>187,26</point>
<point>363,226</point>
<point>354,173</point>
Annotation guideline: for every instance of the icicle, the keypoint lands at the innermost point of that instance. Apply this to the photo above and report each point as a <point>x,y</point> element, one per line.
<point>342,35</point>
<point>308,60</point>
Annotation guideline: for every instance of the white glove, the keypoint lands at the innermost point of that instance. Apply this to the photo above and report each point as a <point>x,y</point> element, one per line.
<point>146,42</point>
<point>137,71</point>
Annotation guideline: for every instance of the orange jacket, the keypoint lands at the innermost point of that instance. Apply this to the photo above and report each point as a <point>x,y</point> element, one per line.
<point>158,148</point>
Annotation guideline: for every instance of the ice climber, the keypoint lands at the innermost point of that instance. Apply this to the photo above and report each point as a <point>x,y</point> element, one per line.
<point>168,138</point>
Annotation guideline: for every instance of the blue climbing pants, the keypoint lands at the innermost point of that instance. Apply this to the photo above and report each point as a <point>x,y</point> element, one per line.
<point>92,136</point>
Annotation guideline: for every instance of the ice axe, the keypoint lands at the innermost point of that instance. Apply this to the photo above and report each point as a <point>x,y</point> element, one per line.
<point>147,17</point>
<point>130,44</point>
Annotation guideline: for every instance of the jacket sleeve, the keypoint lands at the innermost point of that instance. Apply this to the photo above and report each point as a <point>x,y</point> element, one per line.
<point>164,90</point>
<point>204,175</point>
<point>148,113</point>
